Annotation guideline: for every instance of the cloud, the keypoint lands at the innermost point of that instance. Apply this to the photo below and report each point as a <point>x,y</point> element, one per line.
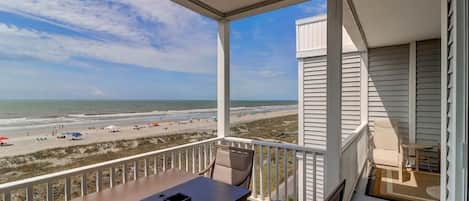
<point>142,33</point>
<point>97,92</point>
<point>317,8</point>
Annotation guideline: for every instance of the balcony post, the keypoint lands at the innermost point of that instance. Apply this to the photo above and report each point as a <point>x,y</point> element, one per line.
<point>223,79</point>
<point>334,94</point>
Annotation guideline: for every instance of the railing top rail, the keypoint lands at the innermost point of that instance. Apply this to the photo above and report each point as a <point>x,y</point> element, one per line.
<point>355,134</point>
<point>276,144</point>
<point>53,176</point>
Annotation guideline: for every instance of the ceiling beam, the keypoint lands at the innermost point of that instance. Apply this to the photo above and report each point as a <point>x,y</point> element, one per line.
<point>201,8</point>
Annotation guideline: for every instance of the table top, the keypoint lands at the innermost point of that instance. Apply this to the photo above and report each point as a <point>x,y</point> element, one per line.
<point>204,189</point>
<point>142,187</point>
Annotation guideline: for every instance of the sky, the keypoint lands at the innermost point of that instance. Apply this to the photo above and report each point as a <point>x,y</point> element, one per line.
<point>142,49</point>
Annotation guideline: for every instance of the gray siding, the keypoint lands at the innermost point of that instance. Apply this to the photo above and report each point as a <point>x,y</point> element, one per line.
<point>388,86</point>
<point>428,105</point>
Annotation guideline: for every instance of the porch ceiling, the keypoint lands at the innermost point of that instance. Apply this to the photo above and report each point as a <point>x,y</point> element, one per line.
<point>391,22</point>
<point>234,9</point>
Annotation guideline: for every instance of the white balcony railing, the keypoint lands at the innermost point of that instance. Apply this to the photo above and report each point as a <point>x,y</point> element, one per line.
<point>354,157</point>
<point>275,173</point>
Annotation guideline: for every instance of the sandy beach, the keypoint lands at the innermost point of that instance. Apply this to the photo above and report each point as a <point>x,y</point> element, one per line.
<point>24,144</point>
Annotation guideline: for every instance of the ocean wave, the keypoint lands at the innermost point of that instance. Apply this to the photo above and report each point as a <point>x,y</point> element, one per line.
<point>169,112</point>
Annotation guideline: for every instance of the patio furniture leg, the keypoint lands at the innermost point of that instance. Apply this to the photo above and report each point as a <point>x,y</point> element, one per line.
<point>401,174</point>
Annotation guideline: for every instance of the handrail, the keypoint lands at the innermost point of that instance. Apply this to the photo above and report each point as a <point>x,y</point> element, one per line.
<point>44,178</point>
<point>355,134</point>
<point>275,144</point>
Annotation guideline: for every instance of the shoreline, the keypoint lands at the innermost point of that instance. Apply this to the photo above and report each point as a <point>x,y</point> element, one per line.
<point>26,144</point>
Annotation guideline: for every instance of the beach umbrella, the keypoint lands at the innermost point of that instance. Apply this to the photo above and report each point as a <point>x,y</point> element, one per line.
<point>155,124</point>
<point>2,139</point>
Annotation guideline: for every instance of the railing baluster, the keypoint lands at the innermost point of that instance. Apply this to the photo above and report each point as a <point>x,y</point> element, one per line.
<point>29,193</point>
<point>164,162</point>
<point>124,173</point>
<point>145,167</point>
<point>179,160</point>
<point>295,176</point>
<point>254,173</point>
<point>269,176</point>
<point>304,177</point>
<point>49,192</point>
<point>277,195</point>
<point>261,172</point>
<point>210,153</point>
<point>193,159</point>
<point>199,158</point>
<point>99,180</point>
<point>145,163</point>
<point>155,165</point>
<point>172,159</point>
<point>314,176</point>
<point>187,160</point>
<point>286,177</point>
<point>135,170</point>
<point>67,190</point>
<point>205,155</point>
<point>112,177</point>
<point>83,185</point>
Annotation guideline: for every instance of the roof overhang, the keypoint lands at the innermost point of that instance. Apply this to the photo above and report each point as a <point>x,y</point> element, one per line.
<point>394,22</point>
<point>234,9</point>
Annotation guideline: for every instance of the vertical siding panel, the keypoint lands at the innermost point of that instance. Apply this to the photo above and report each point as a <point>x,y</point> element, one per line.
<point>428,104</point>
<point>388,86</point>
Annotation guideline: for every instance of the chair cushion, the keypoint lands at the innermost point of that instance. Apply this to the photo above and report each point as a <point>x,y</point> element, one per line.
<point>386,157</point>
<point>386,135</point>
<point>232,166</point>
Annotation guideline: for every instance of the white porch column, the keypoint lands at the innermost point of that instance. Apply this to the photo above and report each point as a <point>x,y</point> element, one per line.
<point>334,94</point>
<point>223,79</point>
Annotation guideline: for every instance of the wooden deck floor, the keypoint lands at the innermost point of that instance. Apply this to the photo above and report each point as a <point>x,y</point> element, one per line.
<point>360,191</point>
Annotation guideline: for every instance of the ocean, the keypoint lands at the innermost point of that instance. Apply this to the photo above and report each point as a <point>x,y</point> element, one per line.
<point>19,115</point>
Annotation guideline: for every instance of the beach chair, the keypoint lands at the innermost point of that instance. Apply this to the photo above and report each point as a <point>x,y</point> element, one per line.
<point>231,165</point>
<point>387,151</point>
